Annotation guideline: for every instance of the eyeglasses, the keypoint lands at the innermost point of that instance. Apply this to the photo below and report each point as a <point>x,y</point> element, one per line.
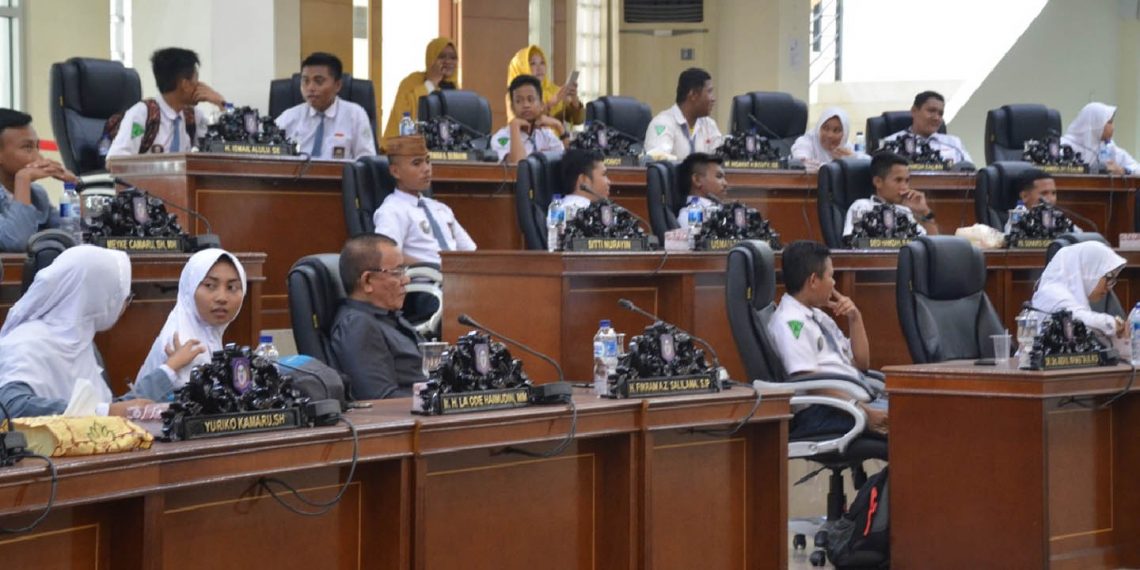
<point>397,272</point>
<point>1111,279</point>
<point>130,298</point>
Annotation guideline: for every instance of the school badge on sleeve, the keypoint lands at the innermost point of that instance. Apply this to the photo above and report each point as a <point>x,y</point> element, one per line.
<point>797,327</point>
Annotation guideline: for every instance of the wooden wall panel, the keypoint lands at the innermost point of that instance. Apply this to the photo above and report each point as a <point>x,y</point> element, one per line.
<point>326,25</point>
<point>491,31</point>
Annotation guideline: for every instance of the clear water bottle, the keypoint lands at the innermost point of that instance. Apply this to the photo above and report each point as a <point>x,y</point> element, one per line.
<point>1103,155</point>
<point>696,217</point>
<point>266,349</point>
<point>860,142</point>
<point>407,126</point>
<point>605,357</point>
<point>1134,330</point>
<point>69,214</point>
<point>1028,324</point>
<point>104,146</point>
<point>555,222</point>
<point>1017,213</point>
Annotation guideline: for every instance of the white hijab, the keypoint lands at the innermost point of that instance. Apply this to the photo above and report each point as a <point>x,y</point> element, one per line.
<point>1085,132</point>
<point>185,320</point>
<point>817,152</point>
<point>47,341</point>
<point>1072,274</point>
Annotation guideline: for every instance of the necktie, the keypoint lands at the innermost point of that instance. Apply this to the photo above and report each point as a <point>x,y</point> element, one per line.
<point>827,336</point>
<point>318,137</point>
<point>176,142</point>
<point>435,230</point>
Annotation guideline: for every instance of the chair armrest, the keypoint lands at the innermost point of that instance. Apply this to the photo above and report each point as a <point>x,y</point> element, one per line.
<point>820,382</point>
<point>839,444</point>
<point>876,375</point>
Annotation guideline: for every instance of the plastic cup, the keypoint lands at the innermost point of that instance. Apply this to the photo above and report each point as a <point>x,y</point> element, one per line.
<point>432,353</point>
<point>1001,349</point>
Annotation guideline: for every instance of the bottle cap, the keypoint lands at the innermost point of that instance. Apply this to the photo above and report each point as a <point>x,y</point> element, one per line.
<point>407,113</point>
<point>605,324</point>
<point>1021,202</point>
<point>558,196</point>
<point>265,339</point>
<point>69,185</point>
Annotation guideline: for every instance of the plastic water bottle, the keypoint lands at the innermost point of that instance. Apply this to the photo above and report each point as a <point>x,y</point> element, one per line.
<point>860,142</point>
<point>605,357</point>
<point>1028,323</point>
<point>696,217</point>
<point>1103,155</point>
<point>266,349</point>
<point>1134,329</point>
<point>407,127</point>
<point>104,146</point>
<point>555,221</point>
<point>1017,213</point>
<point>69,214</point>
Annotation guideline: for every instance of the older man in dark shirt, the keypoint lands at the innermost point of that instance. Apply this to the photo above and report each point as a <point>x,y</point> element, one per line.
<point>372,342</point>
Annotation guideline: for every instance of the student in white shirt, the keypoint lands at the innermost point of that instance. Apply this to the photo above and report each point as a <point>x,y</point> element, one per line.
<point>890,173</point>
<point>421,226</point>
<point>827,142</point>
<point>530,131</point>
<point>326,126</point>
<point>702,177</point>
<point>584,176</point>
<point>1034,187</point>
<point>1093,129</point>
<point>926,119</point>
<point>687,126</point>
<point>809,341</point>
<point>176,73</point>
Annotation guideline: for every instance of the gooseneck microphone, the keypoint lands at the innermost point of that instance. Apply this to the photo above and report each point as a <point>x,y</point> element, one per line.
<point>465,319</point>
<point>768,131</point>
<point>201,241</point>
<point>640,219</point>
<point>629,306</point>
<point>1069,212</point>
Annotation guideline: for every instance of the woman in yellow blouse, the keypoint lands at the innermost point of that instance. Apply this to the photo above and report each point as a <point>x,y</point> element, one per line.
<point>441,61</point>
<point>561,103</point>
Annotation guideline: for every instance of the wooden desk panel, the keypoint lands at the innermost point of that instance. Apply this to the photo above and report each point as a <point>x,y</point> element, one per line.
<point>429,492</point>
<point>1015,469</point>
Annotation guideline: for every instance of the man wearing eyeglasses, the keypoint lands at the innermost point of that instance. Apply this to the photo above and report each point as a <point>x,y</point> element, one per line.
<point>371,341</point>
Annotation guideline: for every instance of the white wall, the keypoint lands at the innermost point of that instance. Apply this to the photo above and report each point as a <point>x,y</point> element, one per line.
<point>406,28</point>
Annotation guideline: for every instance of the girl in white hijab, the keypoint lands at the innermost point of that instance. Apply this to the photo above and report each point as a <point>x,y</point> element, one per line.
<point>1092,130</point>
<point>1078,274</point>
<point>826,142</point>
<point>210,294</point>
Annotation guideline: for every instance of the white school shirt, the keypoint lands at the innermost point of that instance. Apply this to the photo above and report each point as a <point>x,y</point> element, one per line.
<point>347,135</point>
<point>863,205</point>
<point>400,218</point>
<point>668,133</point>
<point>574,203</point>
<point>796,331</point>
<point>949,146</point>
<point>131,130</point>
<point>542,140</point>
<point>706,205</point>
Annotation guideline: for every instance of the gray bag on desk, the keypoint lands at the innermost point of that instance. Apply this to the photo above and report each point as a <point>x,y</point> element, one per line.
<point>314,378</point>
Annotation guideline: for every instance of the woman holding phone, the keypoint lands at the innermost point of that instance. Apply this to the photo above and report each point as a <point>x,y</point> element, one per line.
<point>561,103</point>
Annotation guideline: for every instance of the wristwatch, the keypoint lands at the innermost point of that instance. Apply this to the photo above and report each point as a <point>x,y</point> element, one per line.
<point>929,217</point>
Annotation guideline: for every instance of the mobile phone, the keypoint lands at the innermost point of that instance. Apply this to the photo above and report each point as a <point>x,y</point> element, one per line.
<point>985,362</point>
<point>573,77</point>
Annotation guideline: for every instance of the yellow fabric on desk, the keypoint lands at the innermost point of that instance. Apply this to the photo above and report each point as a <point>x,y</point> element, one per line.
<point>62,436</point>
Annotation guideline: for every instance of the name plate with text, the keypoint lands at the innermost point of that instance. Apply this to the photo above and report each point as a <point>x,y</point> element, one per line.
<point>881,243</point>
<point>143,244</point>
<point>1074,360</point>
<point>458,402</point>
<point>608,244</point>
<point>218,425</point>
<point>753,164</point>
<point>668,386</point>
<point>928,167</point>
<point>1064,169</point>
<point>456,155</point>
<point>621,161</point>
<point>1032,243</point>
<point>250,148</point>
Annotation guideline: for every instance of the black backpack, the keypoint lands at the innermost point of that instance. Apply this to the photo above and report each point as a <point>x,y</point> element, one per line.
<point>861,538</point>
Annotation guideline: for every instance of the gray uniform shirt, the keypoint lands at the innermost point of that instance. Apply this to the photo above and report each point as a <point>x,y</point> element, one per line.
<point>378,350</point>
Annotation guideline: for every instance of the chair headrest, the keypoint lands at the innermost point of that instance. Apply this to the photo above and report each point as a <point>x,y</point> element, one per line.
<point>104,87</point>
<point>1026,121</point>
<point>947,267</point>
<point>784,114</point>
<point>849,179</point>
<point>1007,173</point>
<point>1071,239</point>
<point>762,277</point>
<point>467,107</point>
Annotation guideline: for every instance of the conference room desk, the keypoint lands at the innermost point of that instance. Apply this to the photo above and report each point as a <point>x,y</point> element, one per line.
<point>1002,469</point>
<point>554,301</point>
<point>637,488</point>
<point>154,281</point>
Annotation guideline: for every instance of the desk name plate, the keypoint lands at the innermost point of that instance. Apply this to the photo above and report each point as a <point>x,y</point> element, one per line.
<point>199,427</point>
<point>132,244</point>
<point>881,243</point>
<point>483,400</point>
<point>1072,360</point>
<point>667,386</point>
<point>608,244</point>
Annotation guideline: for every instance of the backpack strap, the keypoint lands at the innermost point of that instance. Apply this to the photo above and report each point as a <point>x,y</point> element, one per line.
<point>190,121</point>
<point>150,131</point>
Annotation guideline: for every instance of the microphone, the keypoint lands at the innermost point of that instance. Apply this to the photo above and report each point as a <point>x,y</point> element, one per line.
<point>1073,214</point>
<point>648,227</point>
<point>201,241</point>
<point>775,137</point>
<point>629,306</point>
<point>553,393</point>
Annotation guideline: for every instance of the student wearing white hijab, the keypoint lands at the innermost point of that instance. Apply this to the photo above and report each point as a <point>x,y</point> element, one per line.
<point>1093,129</point>
<point>826,142</point>
<point>1077,275</point>
<point>210,294</point>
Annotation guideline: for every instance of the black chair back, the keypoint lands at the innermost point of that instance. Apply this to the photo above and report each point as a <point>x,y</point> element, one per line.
<point>467,107</point>
<point>364,186</point>
<point>943,308</point>
<point>1009,126</point>
<point>286,93</point>
<point>750,300</point>
<point>783,115</point>
<point>315,295</point>
<point>625,114</point>
<point>994,192</point>
<point>841,182</point>
<point>539,178</point>
<point>663,196</point>
<point>1110,304</point>
<point>85,92</point>
<point>43,248</point>
<point>887,124</point>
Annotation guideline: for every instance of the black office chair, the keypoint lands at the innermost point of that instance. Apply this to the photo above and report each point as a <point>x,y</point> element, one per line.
<point>664,197</point>
<point>994,193</point>
<point>887,124</point>
<point>750,292</point>
<point>778,113</point>
<point>940,291</point>
<point>841,182</point>
<point>364,186</point>
<point>286,93</point>
<point>315,295</point>
<point>1110,304</point>
<point>1009,126</point>
<point>539,178</point>
<point>85,92</point>
<point>626,114</point>
<point>467,107</point>
<point>43,248</point>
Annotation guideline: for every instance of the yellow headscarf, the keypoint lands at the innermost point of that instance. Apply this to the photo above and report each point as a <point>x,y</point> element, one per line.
<point>412,87</point>
<point>520,65</point>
